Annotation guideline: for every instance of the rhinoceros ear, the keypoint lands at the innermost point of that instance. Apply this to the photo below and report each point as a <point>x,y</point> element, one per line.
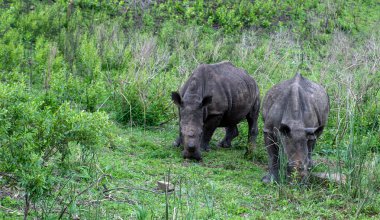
<point>176,99</point>
<point>206,101</point>
<point>284,129</point>
<point>313,133</point>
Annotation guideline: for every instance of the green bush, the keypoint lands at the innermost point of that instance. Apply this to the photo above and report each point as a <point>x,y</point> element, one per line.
<point>37,140</point>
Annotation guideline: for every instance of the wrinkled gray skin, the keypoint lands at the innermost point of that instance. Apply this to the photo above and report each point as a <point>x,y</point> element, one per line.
<point>215,95</point>
<point>295,113</point>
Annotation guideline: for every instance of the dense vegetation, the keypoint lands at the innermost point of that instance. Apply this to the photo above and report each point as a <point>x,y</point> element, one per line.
<point>85,108</point>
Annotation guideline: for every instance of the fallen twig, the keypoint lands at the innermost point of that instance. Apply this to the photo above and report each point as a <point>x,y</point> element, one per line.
<point>10,176</point>
<point>129,201</point>
<point>129,188</point>
<point>80,193</point>
<point>11,211</point>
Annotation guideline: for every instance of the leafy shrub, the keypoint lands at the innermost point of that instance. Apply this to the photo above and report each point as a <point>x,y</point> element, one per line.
<point>37,140</point>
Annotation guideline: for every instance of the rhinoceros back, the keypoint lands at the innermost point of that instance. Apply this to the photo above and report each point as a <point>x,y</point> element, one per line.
<point>297,99</point>
<point>234,92</point>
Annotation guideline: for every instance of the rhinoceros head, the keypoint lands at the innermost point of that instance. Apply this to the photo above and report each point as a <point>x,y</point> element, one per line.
<point>297,143</point>
<point>191,114</point>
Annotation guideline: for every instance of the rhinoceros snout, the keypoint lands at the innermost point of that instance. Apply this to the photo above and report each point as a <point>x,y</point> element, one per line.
<point>301,169</point>
<point>191,147</point>
<point>195,155</point>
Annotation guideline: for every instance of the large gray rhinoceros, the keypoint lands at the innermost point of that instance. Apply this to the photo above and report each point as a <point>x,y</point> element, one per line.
<point>215,95</point>
<point>295,113</point>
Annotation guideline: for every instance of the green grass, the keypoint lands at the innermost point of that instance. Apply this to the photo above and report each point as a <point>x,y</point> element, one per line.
<point>223,186</point>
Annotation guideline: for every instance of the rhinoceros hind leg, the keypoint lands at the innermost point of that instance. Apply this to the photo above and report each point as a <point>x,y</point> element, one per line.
<point>253,130</point>
<point>231,133</point>
<point>252,119</point>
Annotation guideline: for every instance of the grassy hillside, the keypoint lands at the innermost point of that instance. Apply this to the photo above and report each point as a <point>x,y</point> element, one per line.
<point>86,120</point>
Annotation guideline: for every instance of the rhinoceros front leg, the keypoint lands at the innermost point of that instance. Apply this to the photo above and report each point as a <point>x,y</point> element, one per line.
<point>310,145</point>
<point>209,128</point>
<point>178,141</point>
<point>231,133</point>
<point>272,149</point>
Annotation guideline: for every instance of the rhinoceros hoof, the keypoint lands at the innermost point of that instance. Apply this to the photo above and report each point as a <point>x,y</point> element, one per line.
<point>311,164</point>
<point>206,148</point>
<point>224,144</point>
<point>269,178</point>
<point>176,144</point>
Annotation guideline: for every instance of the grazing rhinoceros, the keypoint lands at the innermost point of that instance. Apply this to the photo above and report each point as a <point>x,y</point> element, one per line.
<point>295,113</point>
<point>215,95</point>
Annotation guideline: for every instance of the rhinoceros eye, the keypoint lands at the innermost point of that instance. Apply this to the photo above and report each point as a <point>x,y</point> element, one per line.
<point>206,101</point>
<point>311,137</point>
<point>284,129</point>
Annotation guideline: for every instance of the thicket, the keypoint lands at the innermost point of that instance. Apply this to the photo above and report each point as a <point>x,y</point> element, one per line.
<point>44,145</point>
<point>66,66</point>
<point>123,56</point>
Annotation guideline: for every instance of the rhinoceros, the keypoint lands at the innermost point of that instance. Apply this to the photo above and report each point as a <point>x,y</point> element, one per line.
<point>215,95</point>
<point>295,113</point>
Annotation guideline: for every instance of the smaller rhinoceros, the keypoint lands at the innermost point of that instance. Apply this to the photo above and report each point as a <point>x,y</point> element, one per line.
<point>215,95</point>
<point>295,113</point>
